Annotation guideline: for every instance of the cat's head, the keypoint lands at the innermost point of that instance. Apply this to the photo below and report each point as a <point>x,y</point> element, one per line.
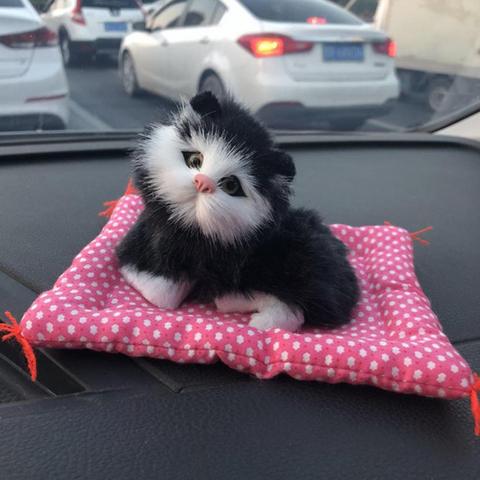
<point>214,168</point>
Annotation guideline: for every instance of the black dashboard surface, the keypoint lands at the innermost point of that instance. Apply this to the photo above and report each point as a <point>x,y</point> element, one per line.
<point>103,416</point>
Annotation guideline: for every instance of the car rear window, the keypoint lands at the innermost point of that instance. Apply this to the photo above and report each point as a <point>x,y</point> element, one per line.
<point>300,11</point>
<point>109,4</point>
<point>11,3</point>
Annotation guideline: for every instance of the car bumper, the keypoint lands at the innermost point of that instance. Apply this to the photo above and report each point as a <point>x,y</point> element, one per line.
<point>100,45</point>
<point>43,113</point>
<point>32,122</point>
<point>295,114</point>
<point>37,99</point>
<point>262,90</point>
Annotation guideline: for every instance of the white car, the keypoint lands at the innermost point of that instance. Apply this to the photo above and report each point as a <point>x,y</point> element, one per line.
<point>33,86</point>
<point>282,58</point>
<point>89,27</point>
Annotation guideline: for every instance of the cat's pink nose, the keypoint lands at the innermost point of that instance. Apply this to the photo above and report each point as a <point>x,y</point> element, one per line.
<point>204,184</point>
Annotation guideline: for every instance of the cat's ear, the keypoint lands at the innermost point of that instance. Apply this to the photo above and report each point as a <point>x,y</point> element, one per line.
<point>206,104</point>
<point>283,164</point>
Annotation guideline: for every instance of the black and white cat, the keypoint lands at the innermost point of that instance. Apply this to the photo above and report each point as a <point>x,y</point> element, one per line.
<point>218,225</point>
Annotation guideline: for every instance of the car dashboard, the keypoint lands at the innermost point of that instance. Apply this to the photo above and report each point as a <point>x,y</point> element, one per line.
<point>97,415</point>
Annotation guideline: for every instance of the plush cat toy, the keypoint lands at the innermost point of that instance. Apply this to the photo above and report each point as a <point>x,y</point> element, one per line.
<point>218,225</point>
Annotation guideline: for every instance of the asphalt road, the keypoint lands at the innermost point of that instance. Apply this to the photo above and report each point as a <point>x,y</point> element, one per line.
<point>98,102</point>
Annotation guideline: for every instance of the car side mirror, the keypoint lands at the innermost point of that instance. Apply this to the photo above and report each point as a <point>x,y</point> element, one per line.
<point>140,26</point>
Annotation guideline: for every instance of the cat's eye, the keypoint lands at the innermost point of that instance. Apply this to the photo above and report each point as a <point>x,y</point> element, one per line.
<point>231,185</point>
<point>193,159</point>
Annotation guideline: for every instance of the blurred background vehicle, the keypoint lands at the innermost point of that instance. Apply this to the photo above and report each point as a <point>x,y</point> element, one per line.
<point>90,27</point>
<point>427,64</point>
<point>33,86</point>
<point>287,59</point>
<point>442,74</point>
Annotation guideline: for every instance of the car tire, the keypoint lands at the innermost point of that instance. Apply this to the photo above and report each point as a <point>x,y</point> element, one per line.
<point>129,76</point>
<point>347,124</point>
<point>69,56</point>
<point>212,83</point>
<point>437,90</point>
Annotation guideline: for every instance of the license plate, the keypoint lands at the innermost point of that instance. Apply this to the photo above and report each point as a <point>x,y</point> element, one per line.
<point>115,26</point>
<point>343,52</point>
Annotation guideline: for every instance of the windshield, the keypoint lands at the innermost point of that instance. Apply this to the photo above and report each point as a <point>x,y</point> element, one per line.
<point>299,65</point>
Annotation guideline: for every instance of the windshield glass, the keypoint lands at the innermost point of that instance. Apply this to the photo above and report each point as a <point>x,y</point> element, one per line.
<point>298,65</point>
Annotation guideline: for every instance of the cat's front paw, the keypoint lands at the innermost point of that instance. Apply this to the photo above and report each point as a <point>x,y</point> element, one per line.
<point>277,315</point>
<point>158,290</point>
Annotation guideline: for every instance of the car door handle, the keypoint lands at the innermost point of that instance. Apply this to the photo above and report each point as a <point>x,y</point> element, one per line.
<point>205,40</point>
<point>164,43</point>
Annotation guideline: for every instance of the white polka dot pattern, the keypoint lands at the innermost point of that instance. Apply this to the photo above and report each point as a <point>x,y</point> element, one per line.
<point>394,341</point>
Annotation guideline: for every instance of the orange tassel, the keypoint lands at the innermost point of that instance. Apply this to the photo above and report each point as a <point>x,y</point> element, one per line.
<point>416,235</point>
<point>130,190</point>
<point>475,403</point>
<point>107,213</point>
<point>14,330</point>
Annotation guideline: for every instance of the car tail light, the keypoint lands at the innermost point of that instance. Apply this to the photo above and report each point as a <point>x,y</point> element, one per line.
<point>77,14</point>
<point>387,47</point>
<point>43,37</point>
<point>272,45</point>
<point>316,20</point>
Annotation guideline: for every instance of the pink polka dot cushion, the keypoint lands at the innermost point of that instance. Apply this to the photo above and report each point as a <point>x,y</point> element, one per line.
<point>394,341</point>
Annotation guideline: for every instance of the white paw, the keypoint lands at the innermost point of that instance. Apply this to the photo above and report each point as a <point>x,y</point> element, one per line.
<point>160,291</point>
<point>235,303</point>
<point>277,315</point>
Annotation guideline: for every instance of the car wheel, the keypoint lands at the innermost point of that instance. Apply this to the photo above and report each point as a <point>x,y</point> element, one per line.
<point>437,90</point>
<point>68,55</point>
<point>129,76</point>
<point>211,83</point>
<point>347,124</point>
